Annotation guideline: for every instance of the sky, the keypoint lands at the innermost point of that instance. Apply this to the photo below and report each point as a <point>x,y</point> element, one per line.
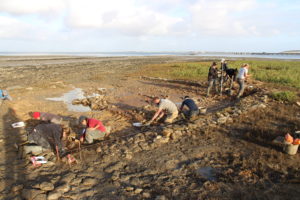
<point>149,25</point>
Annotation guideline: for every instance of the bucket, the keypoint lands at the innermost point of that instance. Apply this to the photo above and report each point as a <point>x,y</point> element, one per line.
<point>290,149</point>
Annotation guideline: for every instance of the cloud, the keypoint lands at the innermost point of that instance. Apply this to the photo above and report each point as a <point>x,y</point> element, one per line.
<point>12,28</point>
<point>222,17</point>
<point>125,17</point>
<point>22,7</point>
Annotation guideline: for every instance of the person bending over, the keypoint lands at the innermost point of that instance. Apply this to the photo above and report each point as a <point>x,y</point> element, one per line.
<point>193,109</point>
<point>165,106</point>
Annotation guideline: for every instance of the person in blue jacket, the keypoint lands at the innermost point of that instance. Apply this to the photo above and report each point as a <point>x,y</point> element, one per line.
<point>4,95</point>
<point>193,109</point>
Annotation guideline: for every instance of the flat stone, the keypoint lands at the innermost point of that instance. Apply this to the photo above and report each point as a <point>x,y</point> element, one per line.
<point>41,197</point>
<point>46,186</point>
<point>167,132</point>
<point>90,181</point>
<point>161,197</point>
<point>30,193</point>
<point>146,195</point>
<point>63,188</point>
<point>222,120</point>
<point>16,188</point>
<point>53,195</point>
<point>138,190</point>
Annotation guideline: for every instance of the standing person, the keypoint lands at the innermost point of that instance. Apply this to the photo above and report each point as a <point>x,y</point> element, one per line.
<point>193,109</point>
<point>94,129</point>
<point>47,117</point>
<point>241,78</point>
<point>212,78</point>
<point>165,106</point>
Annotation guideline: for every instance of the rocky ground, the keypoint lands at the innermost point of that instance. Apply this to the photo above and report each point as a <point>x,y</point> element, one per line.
<point>226,153</point>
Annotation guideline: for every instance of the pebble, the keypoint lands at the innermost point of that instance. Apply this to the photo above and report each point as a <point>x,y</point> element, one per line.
<point>128,189</point>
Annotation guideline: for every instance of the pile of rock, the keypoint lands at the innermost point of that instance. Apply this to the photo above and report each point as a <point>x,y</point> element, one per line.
<point>98,102</point>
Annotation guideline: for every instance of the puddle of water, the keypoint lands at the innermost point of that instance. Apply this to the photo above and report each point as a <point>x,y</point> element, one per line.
<point>68,97</point>
<point>208,172</point>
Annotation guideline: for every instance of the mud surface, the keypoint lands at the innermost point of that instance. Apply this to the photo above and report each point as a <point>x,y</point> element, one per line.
<point>227,153</point>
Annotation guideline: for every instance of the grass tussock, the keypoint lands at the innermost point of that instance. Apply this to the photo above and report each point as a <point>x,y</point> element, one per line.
<point>279,72</point>
<point>288,96</point>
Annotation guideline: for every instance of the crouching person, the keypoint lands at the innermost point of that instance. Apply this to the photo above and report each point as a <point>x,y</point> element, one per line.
<point>193,110</point>
<point>46,137</point>
<point>94,130</point>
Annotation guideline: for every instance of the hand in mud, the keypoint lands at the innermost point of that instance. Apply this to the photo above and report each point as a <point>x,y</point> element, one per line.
<point>148,123</point>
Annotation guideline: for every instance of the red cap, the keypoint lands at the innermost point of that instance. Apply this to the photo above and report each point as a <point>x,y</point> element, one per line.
<point>36,115</point>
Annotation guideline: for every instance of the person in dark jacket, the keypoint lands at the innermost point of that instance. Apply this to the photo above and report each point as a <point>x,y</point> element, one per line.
<point>212,78</point>
<point>47,137</point>
<point>193,109</point>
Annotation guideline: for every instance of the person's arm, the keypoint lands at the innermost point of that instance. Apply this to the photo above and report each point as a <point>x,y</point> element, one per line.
<point>182,105</point>
<point>156,114</point>
<point>94,128</point>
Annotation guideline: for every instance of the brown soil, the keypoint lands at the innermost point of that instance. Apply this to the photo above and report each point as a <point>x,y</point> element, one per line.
<point>226,154</point>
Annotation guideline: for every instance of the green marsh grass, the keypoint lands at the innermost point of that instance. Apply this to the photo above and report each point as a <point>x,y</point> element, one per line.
<point>280,72</point>
<point>284,96</point>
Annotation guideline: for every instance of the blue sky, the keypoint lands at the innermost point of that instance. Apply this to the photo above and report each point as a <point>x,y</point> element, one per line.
<point>149,25</point>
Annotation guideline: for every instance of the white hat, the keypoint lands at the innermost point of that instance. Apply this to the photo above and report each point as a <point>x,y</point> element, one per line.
<point>223,60</point>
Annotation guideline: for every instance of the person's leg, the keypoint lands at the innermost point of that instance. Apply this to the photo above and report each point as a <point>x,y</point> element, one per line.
<point>194,114</point>
<point>108,130</point>
<point>92,135</point>
<point>186,114</point>
<point>215,83</point>
<point>33,149</point>
<point>210,84</point>
<point>170,118</point>
<point>241,83</point>
<point>231,84</point>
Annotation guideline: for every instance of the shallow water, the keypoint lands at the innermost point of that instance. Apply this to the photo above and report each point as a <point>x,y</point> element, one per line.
<point>207,172</point>
<point>68,97</point>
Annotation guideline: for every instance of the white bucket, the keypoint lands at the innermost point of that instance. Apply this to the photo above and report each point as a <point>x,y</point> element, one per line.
<point>290,149</point>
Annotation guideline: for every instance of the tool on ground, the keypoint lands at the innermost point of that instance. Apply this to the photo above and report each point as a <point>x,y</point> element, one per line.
<point>38,160</point>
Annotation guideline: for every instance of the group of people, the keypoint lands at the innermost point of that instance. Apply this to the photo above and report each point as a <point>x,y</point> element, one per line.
<point>217,76</point>
<point>169,109</point>
<point>51,133</point>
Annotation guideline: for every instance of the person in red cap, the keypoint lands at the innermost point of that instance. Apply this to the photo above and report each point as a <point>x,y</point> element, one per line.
<point>47,117</point>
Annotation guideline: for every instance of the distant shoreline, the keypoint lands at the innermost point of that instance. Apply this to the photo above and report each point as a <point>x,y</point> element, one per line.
<point>263,55</point>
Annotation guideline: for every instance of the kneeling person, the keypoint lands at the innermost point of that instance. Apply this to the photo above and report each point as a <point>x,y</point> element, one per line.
<point>193,109</point>
<point>94,129</point>
<point>165,106</point>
